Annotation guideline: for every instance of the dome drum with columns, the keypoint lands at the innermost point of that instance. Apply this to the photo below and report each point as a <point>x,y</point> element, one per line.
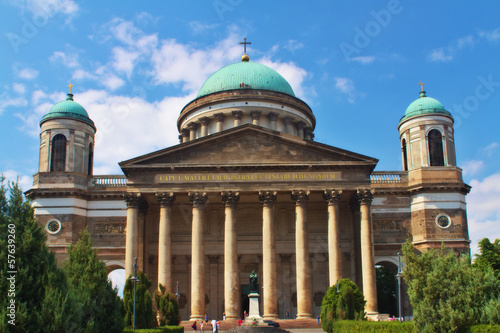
<point>248,189</point>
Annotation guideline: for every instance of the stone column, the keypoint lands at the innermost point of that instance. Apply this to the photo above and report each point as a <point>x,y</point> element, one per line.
<point>231,272</point>
<point>268,198</point>
<point>165,241</point>
<point>300,128</point>
<point>288,124</point>
<point>308,133</point>
<point>367,252</point>
<point>132,200</point>
<point>198,200</point>
<point>192,130</point>
<point>255,117</point>
<point>237,117</point>
<point>302,255</point>
<point>185,135</point>
<point>204,126</point>
<point>273,117</point>
<point>219,118</point>
<point>332,197</point>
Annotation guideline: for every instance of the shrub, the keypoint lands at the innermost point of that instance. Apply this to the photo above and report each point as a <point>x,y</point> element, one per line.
<point>348,326</point>
<point>167,307</point>
<point>347,303</point>
<point>144,305</point>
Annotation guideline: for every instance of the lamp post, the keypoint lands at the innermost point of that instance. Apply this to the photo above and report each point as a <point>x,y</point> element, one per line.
<point>177,295</point>
<point>134,279</point>
<point>400,315</point>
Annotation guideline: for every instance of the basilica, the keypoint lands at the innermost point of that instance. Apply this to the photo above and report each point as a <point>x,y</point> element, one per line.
<point>248,189</point>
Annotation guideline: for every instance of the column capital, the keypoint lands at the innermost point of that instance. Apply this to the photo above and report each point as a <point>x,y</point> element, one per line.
<point>272,116</point>
<point>287,120</point>
<point>268,198</point>
<point>332,196</point>
<point>364,196</point>
<point>132,199</point>
<point>237,114</point>
<point>192,126</point>
<point>230,198</point>
<point>219,117</point>
<point>255,114</point>
<point>165,199</point>
<point>300,197</point>
<point>198,199</point>
<point>300,124</point>
<point>204,121</point>
<point>185,132</point>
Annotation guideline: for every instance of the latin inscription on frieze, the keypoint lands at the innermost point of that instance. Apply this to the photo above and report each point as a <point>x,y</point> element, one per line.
<point>110,228</point>
<point>247,177</point>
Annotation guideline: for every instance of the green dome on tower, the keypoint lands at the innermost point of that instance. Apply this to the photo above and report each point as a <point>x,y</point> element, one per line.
<point>68,109</point>
<point>422,106</point>
<point>245,75</point>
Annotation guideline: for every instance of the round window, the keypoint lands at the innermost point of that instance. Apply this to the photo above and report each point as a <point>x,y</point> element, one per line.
<point>443,221</point>
<point>53,227</point>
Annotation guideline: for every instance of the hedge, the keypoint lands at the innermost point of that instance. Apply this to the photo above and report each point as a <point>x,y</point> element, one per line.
<point>349,326</point>
<point>165,329</point>
<point>356,326</point>
<point>484,329</point>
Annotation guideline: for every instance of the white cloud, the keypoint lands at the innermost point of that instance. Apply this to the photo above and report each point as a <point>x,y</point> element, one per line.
<point>448,52</point>
<point>439,55</point>
<point>19,88</point>
<point>25,181</point>
<point>198,27</point>
<point>484,209</point>
<point>347,87</point>
<point>364,59</point>
<point>112,82</point>
<point>25,73</point>
<point>488,150</point>
<point>472,167</point>
<point>68,60</point>
<point>49,8</point>
<point>123,60</point>
<point>293,45</point>
<point>491,36</point>
<point>8,101</point>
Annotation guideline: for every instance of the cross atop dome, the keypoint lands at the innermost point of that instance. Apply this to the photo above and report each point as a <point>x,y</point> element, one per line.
<point>245,58</point>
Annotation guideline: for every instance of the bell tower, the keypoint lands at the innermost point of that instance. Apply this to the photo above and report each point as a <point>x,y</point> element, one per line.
<point>67,139</point>
<point>437,191</point>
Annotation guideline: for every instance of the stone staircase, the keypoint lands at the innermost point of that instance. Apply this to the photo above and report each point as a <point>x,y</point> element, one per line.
<point>232,326</point>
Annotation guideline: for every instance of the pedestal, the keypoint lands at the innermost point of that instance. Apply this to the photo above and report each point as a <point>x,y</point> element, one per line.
<point>253,306</point>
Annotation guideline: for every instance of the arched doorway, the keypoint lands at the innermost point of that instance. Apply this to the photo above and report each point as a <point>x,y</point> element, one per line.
<point>387,288</point>
<point>116,274</point>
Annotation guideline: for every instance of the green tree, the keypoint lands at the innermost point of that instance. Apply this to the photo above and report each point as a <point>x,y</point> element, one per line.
<point>98,306</point>
<point>144,305</point>
<point>386,290</point>
<point>346,303</point>
<point>489,256</point>
<point>446,292</point>
<point>41,298</point>
<point>166,307</point>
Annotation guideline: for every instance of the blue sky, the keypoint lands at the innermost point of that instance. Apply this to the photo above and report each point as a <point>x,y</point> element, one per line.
<point>356,63</point>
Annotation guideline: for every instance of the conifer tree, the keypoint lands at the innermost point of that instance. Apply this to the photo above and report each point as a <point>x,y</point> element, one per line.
<point>41,303</point>
<point>144,304</point>
<point>167,307</point>
<point>97,304</point>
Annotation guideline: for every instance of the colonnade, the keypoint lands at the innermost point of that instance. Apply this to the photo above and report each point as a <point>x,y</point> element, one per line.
<point>269,279</point>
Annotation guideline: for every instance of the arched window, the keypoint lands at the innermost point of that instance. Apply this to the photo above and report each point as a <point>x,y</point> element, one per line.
<point>436,155</point>
<point>91,159</point>
<point>58,156</point>
<point>405,155</point>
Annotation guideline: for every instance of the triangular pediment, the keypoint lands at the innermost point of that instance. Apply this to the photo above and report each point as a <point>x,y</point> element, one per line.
<point>248,145</point>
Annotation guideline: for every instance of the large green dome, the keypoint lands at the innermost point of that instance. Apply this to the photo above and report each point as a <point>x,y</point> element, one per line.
<point>424,105</point>
<point>68,109</point>
<point>245,75</point>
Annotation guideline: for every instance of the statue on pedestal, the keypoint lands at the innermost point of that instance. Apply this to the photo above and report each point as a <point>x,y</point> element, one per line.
<point>254,283</point>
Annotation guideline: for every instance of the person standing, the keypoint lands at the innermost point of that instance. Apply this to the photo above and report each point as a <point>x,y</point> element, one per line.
<point>201,327</point>
<point>223,316</point>
<point>214,325</point>
<point>194,326</point>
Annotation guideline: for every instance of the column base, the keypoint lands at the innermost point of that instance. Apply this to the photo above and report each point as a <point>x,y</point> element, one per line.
<point>372,316</point>
<point>271,316</point>
<point>197,317</point>
<point>304,315</point>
